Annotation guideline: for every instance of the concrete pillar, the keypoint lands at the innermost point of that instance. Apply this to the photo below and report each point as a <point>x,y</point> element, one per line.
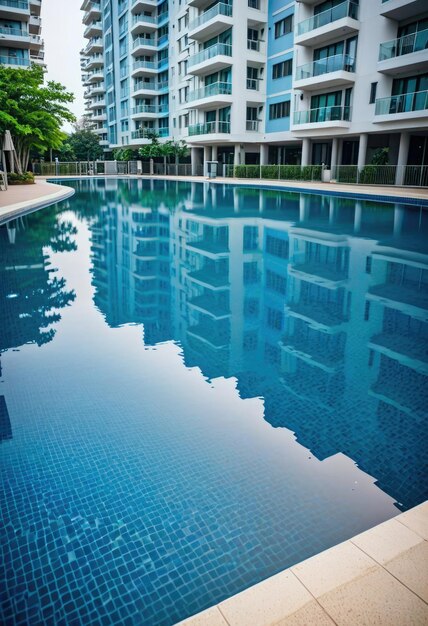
<point>306,147</point>
<point>303,207</point>
<point>403,153</point>
<point>238,156</point>
<point>362,150</point>
<point>196,158</point>
<point>334,152</point>
<point>214,153</point>
<point>207,157</point>
<point>264,154</point>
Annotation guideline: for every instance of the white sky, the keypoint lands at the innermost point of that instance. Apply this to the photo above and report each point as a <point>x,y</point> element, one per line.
<point>62,30</point>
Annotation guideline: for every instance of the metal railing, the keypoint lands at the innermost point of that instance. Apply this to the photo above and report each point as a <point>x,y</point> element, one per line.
<point>218,9</point>
<point>254,4</point>
<point>152,85</point>
<point>334,63</point>
<point>404,103</point>
<point>274,172</point>
<point>254,44</point>
<point>252,125</point>
<point>215,89</point>
<point>407,44</point>
<point>403,175</point>
<point>224,49</point>
<point>253,84</point>
<point>147,133</point>
<point>322,114</point>
<point>345,9</point>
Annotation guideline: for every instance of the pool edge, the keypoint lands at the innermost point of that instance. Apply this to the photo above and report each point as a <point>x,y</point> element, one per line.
<point>365,575</point>
<point>18,209</point>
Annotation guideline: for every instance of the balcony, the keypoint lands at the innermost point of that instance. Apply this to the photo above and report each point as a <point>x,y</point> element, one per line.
<point>209,128</point>
<point>211,248</point>
<point>211,95</point>
<point>139,6</point>
<point>93,29</point>
<point>252,126</point>
<point>14,9</point>
<point>210,279</point>
<point>211,59</point>
<point>405,54</point>
<point>147,68</point>
<point>149,87</point>
<point>147,45</point>
<point>96,60</point>
<point>147,133</point>
<point>212,22</point>
<point>402,9</point>
<point>339,21</point>
<point>95,76</point>
<point>329,72</point>
<point>94,45</point>
<point>34,24</point>
<point>93,13</point>
<point>15,37</point>
<point>149,111</point>
<point>35,7</point>
<point>143,23</point>
<point>14,61</point>
<point>402,107</point>
<point>324,117</point>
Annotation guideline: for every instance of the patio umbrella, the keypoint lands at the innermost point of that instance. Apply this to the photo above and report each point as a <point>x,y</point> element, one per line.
<point>9,147</point>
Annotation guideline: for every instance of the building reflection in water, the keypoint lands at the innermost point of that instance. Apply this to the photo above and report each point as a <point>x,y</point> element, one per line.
<point>316,303</point>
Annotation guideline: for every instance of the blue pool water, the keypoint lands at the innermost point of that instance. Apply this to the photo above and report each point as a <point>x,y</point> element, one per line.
<point>200,386</point>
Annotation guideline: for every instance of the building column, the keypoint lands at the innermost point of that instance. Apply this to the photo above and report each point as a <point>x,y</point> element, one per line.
<point>237,157</point>
<point>362,151</point>
<point>196,160</point>
<point>398,219</point>
<point>207,157</point>
<point>306,147</point>
<point>264,154</point>
<point>334,152</point>
<point>358,216</point>
<point>403,153</point>
<point>214,153</point>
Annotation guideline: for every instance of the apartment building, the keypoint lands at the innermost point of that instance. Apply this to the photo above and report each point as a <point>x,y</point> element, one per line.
<point>20,27</point>
<point>263,81</point>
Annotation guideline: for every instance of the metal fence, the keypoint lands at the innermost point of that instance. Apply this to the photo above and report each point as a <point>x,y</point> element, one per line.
<point>274,172</point>
<point>406,175</point>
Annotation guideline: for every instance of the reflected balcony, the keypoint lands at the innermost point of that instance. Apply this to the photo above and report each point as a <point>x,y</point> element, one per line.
<point>211,59</point>
<point>338,21</point>
<point>212,22</point>
<point>323,117</point>
<point>217,338</point>
<point>405,54</point>
<point>329,72</point>
<point>405,106</point>
<point>317,353</point>
<point>407,299</point>
<point>211,306</point>
<point>209,247</point>
<point>219,93</point>
<point>407,349</point>
<point>210,279</point>
<point>322,274</point>
<point>322,315</point>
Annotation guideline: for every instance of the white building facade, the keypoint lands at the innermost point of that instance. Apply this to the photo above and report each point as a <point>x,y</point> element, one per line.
<point>20,28</point>
<point>258,81</point>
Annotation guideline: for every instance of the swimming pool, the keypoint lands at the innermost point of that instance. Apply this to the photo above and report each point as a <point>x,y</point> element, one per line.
<point>201,385</point>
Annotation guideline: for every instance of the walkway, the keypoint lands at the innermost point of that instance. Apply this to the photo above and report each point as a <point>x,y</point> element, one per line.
<point>19,199</point>
<point>379,577</point>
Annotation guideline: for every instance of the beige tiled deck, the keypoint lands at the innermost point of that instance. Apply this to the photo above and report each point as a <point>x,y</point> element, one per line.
<point>379,577</point>
<point>20,199</point>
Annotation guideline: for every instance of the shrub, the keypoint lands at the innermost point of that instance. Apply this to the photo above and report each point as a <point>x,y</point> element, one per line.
<point>377,175</point>
<point>270,171</point>
<point>20,179</point>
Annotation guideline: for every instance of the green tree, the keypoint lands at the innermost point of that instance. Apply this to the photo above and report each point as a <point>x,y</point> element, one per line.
<point>85,145</point>
<point>33,111</point>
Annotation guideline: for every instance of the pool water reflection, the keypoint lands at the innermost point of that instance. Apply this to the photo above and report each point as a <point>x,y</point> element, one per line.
<point>201,385</point>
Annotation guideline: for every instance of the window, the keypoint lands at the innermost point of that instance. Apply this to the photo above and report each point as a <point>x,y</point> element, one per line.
<point>284,26</point>
<point>274,319</point>
<point>279,110</point>
<point>285,68</point>
<point>373,89</point>
<point>275,282</point>
<point>251,274</point>
<point>251,234</point>
<point>277,247</point>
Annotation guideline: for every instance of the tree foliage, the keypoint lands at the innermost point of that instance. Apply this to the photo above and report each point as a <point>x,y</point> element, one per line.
<point>82,145</point>
<point>33,111</point>
<point>167,150</point>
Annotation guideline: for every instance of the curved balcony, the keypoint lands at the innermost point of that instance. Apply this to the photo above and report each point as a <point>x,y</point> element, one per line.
<point>148,45</point>
<point>211,59</point>
<point>93,13</point>
<point>143,5</point>
<point>404,106</point>
<point>340,20</point>
<point>95,45</point>
<point>408,53</point>
<point>93,29</point>
<point>151,87</point>
<point>212,22</point>
<point>149,111</point>
<point>332,116</point>
<point>206,97</point>
<point>329,72</point>
<point>209,128</point>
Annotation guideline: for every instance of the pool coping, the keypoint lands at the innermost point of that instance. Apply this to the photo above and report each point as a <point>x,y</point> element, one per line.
<point>418,196</point>
<point>379,576</point>
<point>18,209</point>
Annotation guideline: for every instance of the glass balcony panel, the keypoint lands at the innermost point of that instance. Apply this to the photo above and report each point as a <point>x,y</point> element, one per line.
<point>404,45</point>
<point>404,103</point>
<point>217,9</point>
<point>208,128</point>
<point>323,114</point>
<point>215,89</point>
<point>213,51</point>
<point>325,66</point>
<point>345,9</point>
